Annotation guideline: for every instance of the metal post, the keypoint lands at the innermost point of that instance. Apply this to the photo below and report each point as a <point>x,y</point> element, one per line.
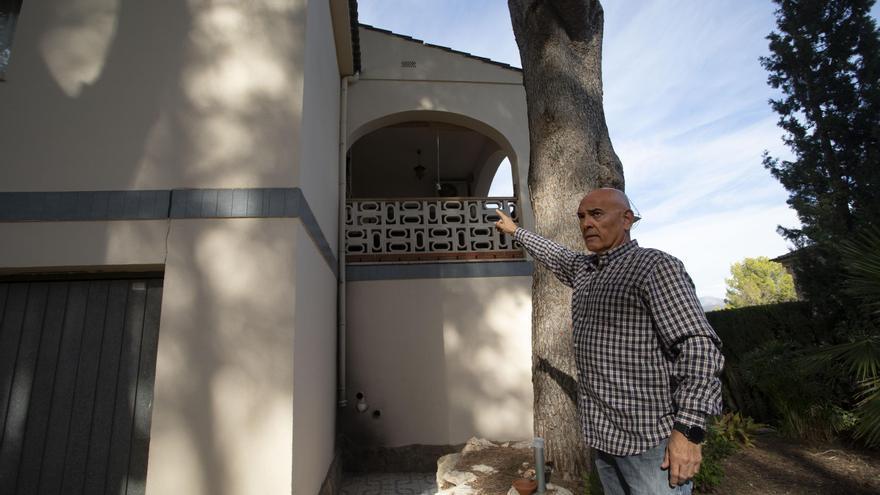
<point>539,464</point>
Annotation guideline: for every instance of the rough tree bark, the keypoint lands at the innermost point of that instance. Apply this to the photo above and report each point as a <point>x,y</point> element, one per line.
<point>560,45</point>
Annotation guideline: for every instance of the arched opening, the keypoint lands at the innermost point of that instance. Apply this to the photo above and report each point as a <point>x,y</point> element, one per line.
<point>424,186</point>
<point>425,159</point>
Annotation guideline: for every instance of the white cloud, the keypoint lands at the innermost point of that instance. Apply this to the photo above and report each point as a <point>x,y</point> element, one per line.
<point>709,243</point>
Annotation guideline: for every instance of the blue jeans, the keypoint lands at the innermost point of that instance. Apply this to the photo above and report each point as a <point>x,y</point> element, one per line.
<point>638,474</point>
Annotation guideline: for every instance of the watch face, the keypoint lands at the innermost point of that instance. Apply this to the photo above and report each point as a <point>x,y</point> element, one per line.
<point>693,433</point>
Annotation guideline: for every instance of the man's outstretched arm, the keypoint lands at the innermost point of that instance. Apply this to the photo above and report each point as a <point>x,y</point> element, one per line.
<point>557,258</point>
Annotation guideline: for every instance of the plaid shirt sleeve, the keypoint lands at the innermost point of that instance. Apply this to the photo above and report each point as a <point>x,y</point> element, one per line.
<point>684,331</point>
<point>557,258</point>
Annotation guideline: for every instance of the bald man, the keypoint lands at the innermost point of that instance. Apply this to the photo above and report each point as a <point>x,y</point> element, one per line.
<point>648,362</point>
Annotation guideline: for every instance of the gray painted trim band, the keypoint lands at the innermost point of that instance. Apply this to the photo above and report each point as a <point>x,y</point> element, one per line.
<point>361,273</point>
<point>236,203</point>
<point>165,204</point>
<point>83,205</point>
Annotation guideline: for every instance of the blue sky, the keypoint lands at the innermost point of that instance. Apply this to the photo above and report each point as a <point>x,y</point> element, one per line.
<point>686,106</point>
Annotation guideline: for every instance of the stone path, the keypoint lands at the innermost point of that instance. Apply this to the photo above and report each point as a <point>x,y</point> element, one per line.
<point>390,484</point>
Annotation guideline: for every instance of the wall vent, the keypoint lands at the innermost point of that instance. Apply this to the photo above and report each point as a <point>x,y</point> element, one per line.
<point>408,64</point>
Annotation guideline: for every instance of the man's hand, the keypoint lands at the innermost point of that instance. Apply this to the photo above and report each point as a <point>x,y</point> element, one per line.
<point>682,458</point>
<point>506,224</point>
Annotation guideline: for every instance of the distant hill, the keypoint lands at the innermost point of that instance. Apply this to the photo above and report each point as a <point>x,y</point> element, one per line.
<point>710,303</point>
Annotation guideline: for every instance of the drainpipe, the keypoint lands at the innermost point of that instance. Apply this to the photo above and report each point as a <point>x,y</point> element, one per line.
<point>340,290</point>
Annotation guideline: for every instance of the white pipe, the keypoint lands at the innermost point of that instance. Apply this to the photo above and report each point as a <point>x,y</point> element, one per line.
<point>340,251</point>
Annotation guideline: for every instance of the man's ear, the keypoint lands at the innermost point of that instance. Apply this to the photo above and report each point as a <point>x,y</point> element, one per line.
<point>629,218</point>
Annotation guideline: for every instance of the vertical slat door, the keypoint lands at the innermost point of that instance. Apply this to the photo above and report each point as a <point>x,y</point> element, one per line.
<point>77,364</point>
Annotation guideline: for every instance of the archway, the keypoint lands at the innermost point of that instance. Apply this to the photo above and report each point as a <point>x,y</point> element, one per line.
<point>427,154</point>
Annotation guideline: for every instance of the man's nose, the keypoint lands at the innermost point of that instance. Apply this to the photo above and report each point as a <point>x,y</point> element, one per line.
<point>586,223</point>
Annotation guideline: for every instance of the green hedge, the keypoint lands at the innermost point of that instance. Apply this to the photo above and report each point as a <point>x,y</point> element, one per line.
<point>744,329</point>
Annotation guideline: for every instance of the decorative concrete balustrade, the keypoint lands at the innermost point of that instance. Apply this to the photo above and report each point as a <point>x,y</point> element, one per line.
<point>428,230</point>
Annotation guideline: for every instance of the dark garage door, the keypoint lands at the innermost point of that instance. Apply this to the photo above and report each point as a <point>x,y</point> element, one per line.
<point>77,363</point>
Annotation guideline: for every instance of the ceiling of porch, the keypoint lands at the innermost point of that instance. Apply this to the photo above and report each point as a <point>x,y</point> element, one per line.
<point>382,163</point>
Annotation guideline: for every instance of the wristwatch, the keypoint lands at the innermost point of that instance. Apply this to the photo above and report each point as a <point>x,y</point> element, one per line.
<point>695,434</point>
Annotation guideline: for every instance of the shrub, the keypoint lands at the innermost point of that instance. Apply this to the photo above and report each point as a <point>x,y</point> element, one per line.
<point>737,429</point>
<point>744,329</point>
<point>802,400</point>
<point>722,437</point>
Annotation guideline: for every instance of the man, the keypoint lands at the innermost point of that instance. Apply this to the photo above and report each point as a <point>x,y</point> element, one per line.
<point>648,362</point>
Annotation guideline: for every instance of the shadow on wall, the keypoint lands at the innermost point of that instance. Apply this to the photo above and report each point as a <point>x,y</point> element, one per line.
<point>178,94</point>
<point>119,94</point>
<point>487,333</point>
<point>441,359</point>
<point>227,369</point>
<point>81,123</point>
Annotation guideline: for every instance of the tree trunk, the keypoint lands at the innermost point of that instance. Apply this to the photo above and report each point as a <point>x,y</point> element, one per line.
<point>560,45</point>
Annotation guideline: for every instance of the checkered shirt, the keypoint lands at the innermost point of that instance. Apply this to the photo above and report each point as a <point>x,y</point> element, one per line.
<point>646,356</point>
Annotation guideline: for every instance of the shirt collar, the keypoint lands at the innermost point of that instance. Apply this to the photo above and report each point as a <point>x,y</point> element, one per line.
<point>599,261</point>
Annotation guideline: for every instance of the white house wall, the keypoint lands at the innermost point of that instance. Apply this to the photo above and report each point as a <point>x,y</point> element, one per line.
<point>314,370</point>
<point>195,96</point>
<point>108,95</point>
<point>319,174</point>
<point>441,359</point>
<point>382,54</point>
<point>224,398</point>
<point>314,387</point>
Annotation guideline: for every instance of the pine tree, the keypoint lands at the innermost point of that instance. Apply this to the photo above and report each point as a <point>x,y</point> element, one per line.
<point>825,59</point>
<point>756,281</point>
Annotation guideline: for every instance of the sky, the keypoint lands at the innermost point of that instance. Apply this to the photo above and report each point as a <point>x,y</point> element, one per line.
<point>686,102</point>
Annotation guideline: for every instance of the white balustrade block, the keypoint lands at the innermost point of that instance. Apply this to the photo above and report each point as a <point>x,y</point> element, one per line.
<point>425,226</point>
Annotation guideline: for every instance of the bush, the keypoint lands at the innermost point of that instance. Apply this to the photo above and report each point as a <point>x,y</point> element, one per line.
<point>724,436</point>
<point>737,429</point>
<point>744,329</point>
<point>784,390</point>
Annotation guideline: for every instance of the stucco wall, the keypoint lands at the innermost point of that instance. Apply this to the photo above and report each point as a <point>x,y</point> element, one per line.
<point>54,245</point>
<point>223,411</point>
<point>443,87</point>
<point>314,370</point>
<point>319,173</point>
<point>382,54</point>
<point>442,359</point>
<point>107,95</point>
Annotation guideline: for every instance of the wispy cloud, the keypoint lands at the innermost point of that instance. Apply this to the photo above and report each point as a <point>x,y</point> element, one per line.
<point>686,106</point>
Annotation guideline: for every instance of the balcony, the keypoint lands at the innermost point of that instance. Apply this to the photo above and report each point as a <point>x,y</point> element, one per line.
<point>420,230</point>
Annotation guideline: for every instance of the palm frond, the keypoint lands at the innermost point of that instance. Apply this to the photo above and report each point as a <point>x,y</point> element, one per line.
<point>861,356</point>
<point>868,411</point>
<point>861,260</point>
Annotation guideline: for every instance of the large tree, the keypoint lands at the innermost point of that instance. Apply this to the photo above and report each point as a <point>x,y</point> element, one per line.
<point>756,281</point>
<point>560,45</point>
<point>825,59</point>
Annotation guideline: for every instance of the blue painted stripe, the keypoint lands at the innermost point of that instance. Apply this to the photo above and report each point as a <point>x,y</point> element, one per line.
<point>56,206</point>
<point>83,205</point>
